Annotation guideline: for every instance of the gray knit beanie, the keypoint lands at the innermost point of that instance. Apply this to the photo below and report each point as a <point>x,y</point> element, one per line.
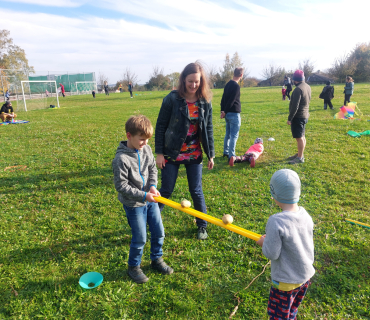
<point>258,140</point>
<point>285,186</point>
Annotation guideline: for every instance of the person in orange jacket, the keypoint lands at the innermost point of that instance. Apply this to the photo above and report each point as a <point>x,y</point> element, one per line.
<point>251,155</point>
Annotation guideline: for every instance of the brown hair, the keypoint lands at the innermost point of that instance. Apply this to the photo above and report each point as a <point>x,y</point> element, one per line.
<point>238,72</point>
<point>349,79</point>
<point>203,90</point>
<point>139,125</point>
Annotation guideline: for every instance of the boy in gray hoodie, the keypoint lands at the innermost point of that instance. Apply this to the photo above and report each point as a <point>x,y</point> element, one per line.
<point>135,179</point>
<point>288,242</point>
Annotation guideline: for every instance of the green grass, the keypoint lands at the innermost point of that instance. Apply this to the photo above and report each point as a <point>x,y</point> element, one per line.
<point>60,217</point>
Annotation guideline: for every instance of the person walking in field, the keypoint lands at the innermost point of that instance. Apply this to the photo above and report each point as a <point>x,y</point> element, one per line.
<point>288,243</point>
<point>299,113</point>
<point>327,94</point>
<point>230,110</point>
<point>288,84</point>
<point>184,131</point>
<point>130,86</point>
<point>106,88</point>
<point>283,91</point>
<point>348,90</point>
<point>62,90</point>
<point>7,94</point>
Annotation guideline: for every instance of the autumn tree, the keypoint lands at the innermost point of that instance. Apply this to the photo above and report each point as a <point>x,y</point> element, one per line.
<point>227,70</point>
<point>157,80</point>
<point>174,79</point>
<point>343,66</point>
<point>13,57</point>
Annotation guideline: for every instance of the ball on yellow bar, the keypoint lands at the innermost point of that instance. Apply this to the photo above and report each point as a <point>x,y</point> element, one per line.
<point>227,218</point>
<point>185,204</point>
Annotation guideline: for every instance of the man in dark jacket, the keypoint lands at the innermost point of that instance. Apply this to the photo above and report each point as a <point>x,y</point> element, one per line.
<point>327,94</point>
<point>230,110</point>
<point>299,113</point>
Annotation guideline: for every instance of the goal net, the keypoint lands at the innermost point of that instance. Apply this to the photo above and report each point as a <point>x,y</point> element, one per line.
<point>84,87</point>
<point>37,95</point>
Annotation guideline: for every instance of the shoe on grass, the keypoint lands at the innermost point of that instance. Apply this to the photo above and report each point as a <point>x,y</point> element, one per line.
<point>293,157</point>
<point>137,275</point>
<point>161,266</point>
<point>202,233</point>
<point>231,161</point>
<point>252,161</point>
<point>297,160</point>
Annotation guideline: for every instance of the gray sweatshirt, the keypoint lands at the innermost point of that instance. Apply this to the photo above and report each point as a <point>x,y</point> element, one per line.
<point>289,245</point>
<point>134,173</point>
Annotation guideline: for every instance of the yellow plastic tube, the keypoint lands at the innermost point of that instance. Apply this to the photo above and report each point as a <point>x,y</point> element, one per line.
<point>217,222</point>
<point>358,223</point>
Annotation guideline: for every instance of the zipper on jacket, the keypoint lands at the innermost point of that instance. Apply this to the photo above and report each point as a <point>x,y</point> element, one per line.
<point>138,156</point>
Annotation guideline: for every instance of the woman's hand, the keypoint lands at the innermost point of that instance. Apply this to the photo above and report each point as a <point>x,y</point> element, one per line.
<point>261,240</point>
<point>161,162</point>
<point>210,164</point>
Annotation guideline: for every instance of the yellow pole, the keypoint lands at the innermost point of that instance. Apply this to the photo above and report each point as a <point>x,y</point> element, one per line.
<point>217,222</point>
<point>359,223</point>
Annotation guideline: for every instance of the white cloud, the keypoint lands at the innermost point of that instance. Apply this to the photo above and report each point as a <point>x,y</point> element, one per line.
<point>48,3</point>
<point>195,30</point>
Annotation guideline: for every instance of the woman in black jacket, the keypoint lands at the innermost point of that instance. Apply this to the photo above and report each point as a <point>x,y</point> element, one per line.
<point>184,126</point>
<point>327,94</point>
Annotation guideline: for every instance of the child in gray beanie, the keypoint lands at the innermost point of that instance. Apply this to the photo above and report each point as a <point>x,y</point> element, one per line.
<point>288,242</point>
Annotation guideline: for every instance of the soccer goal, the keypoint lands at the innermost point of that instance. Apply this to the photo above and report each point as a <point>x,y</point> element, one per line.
<point>85,87</point>
<point>37,94</point>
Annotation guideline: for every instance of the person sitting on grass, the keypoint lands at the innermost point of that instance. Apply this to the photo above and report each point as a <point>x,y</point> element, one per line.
<point>251,155</point>
<point>135,179</point>
<point>7,112</point>
<point>288,242</point>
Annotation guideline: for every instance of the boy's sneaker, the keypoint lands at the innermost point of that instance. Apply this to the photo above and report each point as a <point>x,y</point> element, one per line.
<point>161,266</point>
<point>252,161</point>
<point>293,157</point>
<point>137,274</point>
<point>202,233</point>
<point>297,160</point>
<point>231,161</point>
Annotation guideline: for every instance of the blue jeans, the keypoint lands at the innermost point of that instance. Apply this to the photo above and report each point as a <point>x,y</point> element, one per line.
<point>194,174</point>
<point>233,122</point>
<point>137,219</point>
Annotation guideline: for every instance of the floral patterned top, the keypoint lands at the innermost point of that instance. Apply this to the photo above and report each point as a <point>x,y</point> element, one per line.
<point>191,151</point>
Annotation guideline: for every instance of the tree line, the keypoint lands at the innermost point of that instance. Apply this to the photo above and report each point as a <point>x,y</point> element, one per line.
<point>356,64</point>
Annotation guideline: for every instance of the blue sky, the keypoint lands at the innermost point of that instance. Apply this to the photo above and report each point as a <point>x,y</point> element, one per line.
<point>108,36</point>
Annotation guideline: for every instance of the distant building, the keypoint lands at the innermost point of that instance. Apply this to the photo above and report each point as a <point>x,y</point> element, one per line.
<point>319,78</point>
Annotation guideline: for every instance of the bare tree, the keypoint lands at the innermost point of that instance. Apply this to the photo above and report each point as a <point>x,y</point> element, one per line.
<point>307,66</point>
<point>129,76</point>
<point>273,74</point>
<point>101,79</point>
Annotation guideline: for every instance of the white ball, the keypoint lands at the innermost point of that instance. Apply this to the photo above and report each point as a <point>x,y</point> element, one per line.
<point>227,218</point>
<point>185,204</point>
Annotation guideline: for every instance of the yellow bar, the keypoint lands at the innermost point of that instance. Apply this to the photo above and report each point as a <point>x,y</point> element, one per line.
<point>359,223</point>
<point>201,215</point>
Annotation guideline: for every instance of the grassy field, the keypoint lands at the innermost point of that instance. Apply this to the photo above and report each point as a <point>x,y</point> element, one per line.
<point>60,216</point>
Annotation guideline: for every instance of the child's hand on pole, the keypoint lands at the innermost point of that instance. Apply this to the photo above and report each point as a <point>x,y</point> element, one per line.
<point>261,240</point>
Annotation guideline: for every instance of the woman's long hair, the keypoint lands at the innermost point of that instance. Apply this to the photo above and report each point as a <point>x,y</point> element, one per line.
<point>349,79</point>
<point>203,90</point>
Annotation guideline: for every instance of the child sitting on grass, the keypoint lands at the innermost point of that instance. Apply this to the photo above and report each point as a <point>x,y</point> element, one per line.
<point>135,179</point>
<point>7,112</point>
<point>251,155</point>
<point>288,242</point>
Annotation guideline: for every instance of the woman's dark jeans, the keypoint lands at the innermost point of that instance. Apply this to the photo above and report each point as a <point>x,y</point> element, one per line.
<point>347,98</point>
<point>194,174</point>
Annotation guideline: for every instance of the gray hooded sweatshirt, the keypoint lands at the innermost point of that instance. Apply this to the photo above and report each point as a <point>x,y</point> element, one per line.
<point>289,245</point>
<point>134,173</point>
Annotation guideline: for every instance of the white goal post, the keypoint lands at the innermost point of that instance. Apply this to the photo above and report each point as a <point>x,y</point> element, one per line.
<point>39,94</point>
<point>85,87</point>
